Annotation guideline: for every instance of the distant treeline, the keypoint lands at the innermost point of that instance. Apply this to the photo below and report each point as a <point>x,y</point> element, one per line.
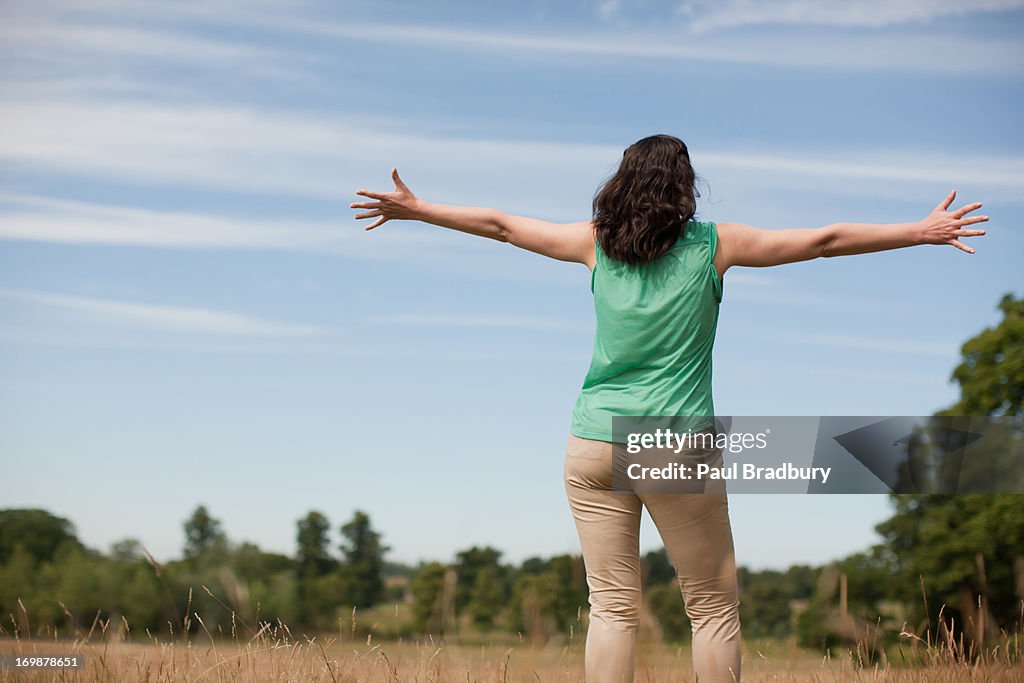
<point>971,549</point>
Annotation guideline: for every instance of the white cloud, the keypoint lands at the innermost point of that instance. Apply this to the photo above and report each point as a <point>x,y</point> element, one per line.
<point>946,54</point>
<point>708,15</point>
<point>63,49</point>
<point>94,40</point>
<point>228,148</point>
<point>249,148</point>
<point>90,86</point>
<point>103,31</point>
<point>280,345</point>
<point>888,165</point>
<point>161,318</point>
<point>877,377</point>
<point>264,150</point>
<point>509,321</point>
<point>608,9</point>
<point>45,219</point>
<point>881,344</point>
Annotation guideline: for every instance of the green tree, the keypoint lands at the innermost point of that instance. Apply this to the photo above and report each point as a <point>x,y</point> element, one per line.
<point>78,584</point>
<point>570,579</point>
<point>968,548</point>
<point>483,598</point>
<point>313,557</point>
<point>37,531</point>
<point>319,588</point>
<point>533,599</point>
<point>956,545</point>
<point>991,372</point>
<point>18,583</point>
<point>362,569</point>
<point>202,532</point>
<point>766,598</point>
<point>427,594</point>
<point>126,550</point>
<point>469,564</point>
<point>656,568</point>
<point>666,604</point>
<point>252,563</point>
<point>139,597</point>
<point>488,596</point>
<point>548,597</point>
<point>277,595</point>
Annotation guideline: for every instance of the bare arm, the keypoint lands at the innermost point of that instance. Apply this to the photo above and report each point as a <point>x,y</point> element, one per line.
<point>563,241</point>
<point>743,245</point>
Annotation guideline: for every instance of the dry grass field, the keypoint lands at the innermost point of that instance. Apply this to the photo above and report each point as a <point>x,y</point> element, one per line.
<point>274,654</point>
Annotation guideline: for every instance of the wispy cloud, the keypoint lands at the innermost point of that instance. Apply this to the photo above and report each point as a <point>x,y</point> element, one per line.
<point>67,41</point>
<point>503,321</point>
<point>96,40</point>
<point>101,30</point>
<point>265,150</point>
<point>708,15</point>
<point>781,294</point>
<point>257,149</point>
<point>915,52</point>
<point>93,86</point>
<point>215,146</point>
<point>888,165</point>
<point>160,318</point>
<point>878,377</point>
<point>608,9</point>
<point>304,347</point>
<point>881,344</point>
<point>46,219</point>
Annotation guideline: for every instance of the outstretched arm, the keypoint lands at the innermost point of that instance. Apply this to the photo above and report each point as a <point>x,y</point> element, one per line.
<point>563,241</point>
<point>743,245</point>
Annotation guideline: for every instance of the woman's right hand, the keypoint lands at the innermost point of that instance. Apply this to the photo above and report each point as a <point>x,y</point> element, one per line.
<point>944,227</point>
<point>400,204</point>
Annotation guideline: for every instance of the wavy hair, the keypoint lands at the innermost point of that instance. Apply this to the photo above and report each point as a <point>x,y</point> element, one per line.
<point>642,210</point>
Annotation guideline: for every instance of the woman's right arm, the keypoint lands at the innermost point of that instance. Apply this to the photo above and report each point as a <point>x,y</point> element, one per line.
<point>562,241</point>
<point>743,245</point>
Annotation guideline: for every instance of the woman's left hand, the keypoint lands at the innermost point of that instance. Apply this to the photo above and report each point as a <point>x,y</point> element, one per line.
<point>400,204</point>
<point>942,226</point>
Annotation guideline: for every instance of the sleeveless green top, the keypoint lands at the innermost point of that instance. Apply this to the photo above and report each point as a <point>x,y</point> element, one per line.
<point>655,330</point>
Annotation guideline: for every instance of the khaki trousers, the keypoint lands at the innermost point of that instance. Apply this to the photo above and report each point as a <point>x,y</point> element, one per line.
<point>698,538</point>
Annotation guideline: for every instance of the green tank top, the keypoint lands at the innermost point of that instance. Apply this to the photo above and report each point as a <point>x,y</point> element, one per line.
<point>655,330</point>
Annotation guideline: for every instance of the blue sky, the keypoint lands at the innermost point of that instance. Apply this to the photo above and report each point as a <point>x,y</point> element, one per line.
<point>190,315</point>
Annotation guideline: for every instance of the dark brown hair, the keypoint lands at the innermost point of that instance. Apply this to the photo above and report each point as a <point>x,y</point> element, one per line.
<point>641,211</point>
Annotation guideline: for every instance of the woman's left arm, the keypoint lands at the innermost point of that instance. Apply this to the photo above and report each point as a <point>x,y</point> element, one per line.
<point>572,242</point>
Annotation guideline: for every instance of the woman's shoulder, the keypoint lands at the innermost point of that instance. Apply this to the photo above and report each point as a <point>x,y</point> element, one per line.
<point>699,231</point>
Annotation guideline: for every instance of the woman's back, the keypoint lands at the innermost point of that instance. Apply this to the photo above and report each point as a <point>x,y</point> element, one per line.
<point>654,334</point>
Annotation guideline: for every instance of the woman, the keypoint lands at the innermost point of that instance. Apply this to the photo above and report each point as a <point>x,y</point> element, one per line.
<point>657,275</point>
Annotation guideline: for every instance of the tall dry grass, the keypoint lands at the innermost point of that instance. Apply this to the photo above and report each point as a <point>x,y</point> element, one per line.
<point>269,651</point>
